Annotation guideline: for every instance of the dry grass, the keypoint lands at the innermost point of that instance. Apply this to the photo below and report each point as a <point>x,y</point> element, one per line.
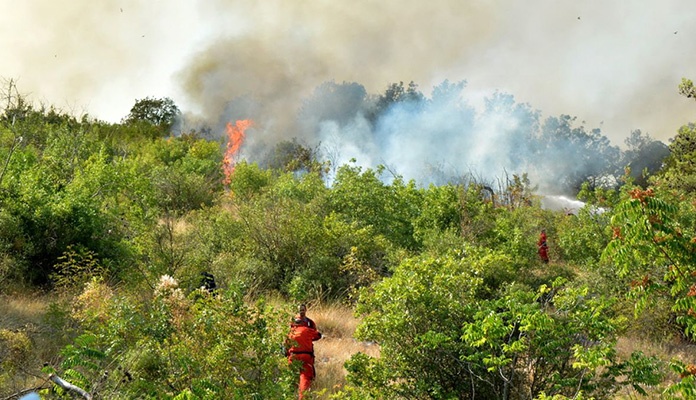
<point>673,349</point>
<point>18,311</point>
<point>23,315</point>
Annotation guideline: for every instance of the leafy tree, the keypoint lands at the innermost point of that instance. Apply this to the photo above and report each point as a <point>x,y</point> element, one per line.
<point>292,239</point>
<point>679,172</point>
<point>650,245</point>
<point>160,112</point>
<point>511,346</point>
<point>292,156</point>
<point>570,156</point>
<point>653,246</point>
<point>516,232</point>
<point>396,93</point>
<point>478,213</point>
<point>515,125</point>
<point>567,349</point>
<point>644,156</point>
<point>441,211</point>
<point>185,172</point>
<point>331,101</point>
<point>582,237</point>
<point>282,236</point>
<point>61,208</point>
<point>361,196</point>
<point>686,88</point>
<point>415,316</point>
<point>249,180</point>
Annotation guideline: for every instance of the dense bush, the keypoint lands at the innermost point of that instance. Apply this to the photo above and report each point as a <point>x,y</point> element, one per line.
<point>446,278</point>
<point>438,340</point>
<point>167,344</point>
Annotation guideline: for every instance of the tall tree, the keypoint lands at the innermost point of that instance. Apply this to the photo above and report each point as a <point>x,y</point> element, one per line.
<point>331,101</point>
<point>679,171</point>
<point>396,93</point>
<point>572,155</point>
<point>161,113</point>
<point>644,156</point>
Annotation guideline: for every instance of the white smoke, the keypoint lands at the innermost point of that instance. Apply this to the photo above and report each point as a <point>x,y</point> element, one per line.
<point>615,65</point>
<point>439,137</point>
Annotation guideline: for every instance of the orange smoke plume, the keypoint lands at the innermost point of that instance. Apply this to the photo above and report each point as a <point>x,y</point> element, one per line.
<point>235,138</point>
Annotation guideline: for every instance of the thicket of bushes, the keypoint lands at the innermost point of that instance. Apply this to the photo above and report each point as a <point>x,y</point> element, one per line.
<point>120,220</point>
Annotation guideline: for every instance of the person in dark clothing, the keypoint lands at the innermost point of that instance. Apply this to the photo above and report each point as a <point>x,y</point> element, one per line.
<point>208,282</point>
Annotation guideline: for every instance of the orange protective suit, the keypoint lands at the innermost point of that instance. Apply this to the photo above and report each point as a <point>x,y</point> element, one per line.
<point>543,248</point>
<point>300,345</point>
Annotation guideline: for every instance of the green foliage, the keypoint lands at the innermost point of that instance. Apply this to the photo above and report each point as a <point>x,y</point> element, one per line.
<point>679,172</point>
<point>655,248</point>
<point>363,255</point>
<point>415,317</point>
<point>686,88</point>
<point>202,346</point>
<point>14,348</point>
<point>592,157</point>
<point>441,211</point>
<point>283,233</point>
<point>76,267</point>
<point>161,113</point>
<point>446,278</point>
<point>55,212</point>
<point>601,198</point>
<point>290,156</point>
<point>478,214</point>
<point>179,192</point>
<point>362,197</point>
<point>512,346</point>
<point>360,273</point>
<point>516,233</point>
<point>650,244</point>
<point>581,238</point>
<point>248,180</point>
<point>644,156</point>
<point>11,243</point>
<point>686,387</point>
<point>186,174</point>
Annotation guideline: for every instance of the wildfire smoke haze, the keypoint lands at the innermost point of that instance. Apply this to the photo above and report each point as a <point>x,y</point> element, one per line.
<point>614,65</point>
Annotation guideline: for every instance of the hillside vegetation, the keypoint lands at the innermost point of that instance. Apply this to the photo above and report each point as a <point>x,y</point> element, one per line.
<point>422,291</point>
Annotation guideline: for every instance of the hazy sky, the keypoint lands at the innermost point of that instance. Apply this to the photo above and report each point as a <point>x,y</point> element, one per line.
<point>614,64</point>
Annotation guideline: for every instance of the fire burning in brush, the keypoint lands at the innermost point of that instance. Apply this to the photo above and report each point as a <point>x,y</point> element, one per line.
<point>235,138</point>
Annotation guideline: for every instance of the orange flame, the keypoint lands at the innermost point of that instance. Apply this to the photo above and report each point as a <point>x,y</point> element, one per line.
<point>235,138</point>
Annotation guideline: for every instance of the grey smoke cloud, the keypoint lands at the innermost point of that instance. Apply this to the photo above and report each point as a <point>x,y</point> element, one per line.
<point>615,65</point>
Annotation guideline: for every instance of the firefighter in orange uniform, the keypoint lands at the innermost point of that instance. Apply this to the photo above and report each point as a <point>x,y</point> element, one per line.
<point>300,348</point>
<point>543,247</point>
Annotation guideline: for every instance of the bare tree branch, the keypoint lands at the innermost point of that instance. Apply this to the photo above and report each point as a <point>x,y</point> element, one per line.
<point>69,386</point>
